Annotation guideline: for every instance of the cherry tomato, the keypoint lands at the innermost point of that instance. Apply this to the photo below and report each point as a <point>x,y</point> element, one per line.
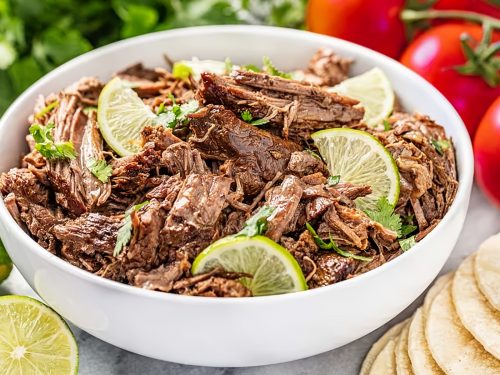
<point>372,23</point>
<point>436,54</point>
<point>487,153</point>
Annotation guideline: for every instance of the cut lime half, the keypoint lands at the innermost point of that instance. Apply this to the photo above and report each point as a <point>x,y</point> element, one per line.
<point>274,269</point>
<point>360,159</point>
<point>122,115</point>
<point>34,339</point>
<point>374,91</point>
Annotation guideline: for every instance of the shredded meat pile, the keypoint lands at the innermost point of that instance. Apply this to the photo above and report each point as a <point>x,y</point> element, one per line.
<point>204,181</point>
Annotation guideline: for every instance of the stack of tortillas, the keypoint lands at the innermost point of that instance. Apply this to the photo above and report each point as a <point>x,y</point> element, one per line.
<point>456,331</point>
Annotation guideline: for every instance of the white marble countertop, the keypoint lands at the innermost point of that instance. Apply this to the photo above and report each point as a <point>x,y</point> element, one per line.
<point>98,357</point>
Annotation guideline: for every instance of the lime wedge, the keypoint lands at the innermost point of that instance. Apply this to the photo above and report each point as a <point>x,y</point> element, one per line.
<point>5,263</point>
<point>360,159</point>
<point>34,339</point>
<point>274,269</point>
<point>374,91</point>
<point>122,115</point>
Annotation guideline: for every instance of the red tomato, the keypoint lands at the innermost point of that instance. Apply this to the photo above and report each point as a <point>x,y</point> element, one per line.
<point>487,153</point>
<point>436,53</point>
<point>371,23</point>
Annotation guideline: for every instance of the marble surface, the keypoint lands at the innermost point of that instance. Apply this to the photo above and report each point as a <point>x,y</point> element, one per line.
<point>98,357</point>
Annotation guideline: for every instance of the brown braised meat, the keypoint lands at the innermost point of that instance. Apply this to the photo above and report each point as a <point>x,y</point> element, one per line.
<point>205,179</point>
<point>295,108</point>
<point>250,154</point>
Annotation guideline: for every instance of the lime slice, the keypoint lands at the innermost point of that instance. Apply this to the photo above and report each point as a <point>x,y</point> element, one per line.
<point>360,159</point>
<point>274,269</point>
<point>5,263</point>
<point>374,91</point>
<point>122,115</point>
<point>34,339</point>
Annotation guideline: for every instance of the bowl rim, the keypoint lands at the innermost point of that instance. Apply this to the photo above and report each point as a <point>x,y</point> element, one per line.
<point>462,195</point>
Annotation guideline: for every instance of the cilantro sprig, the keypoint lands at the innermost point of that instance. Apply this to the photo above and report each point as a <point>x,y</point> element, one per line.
<point>100,169</point>
<point>441,145</point>
<point>269,68</point>
<point>47,147</point>
<point>333,180</point>
<point>333,246</point>
<point>175,114</point>
<point>125,231</point>
<point>257,224</point>
<point>407,243</point>
<point>247,117</point>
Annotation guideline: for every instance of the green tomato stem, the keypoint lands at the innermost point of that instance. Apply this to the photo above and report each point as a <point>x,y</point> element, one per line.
<point>409,15</point>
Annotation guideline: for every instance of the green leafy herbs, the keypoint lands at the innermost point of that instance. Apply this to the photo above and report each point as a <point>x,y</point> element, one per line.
<point>441,145</point>
<point>47,109</point>
<point>331,245</point>
<point>44,143</point>
<point>125,231</point>
<point>257,224</point>
<point>387,125</point>
<point>247,117</point>
<point>100,169</point>
<point>181,70</point>
<point>333,180</point>
<point>384,215</point>
<point>270,69</point>
<point>176,114</point>
<point>252,68</point>
<point>228,65</point>
<point>407,243</point>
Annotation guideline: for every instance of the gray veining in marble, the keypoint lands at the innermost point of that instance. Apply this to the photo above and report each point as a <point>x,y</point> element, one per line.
<point>97,357</point>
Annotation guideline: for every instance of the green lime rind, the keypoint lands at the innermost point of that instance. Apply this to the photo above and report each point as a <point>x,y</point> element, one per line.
<point>49,343</point>
<point>360,159</point>
<point>5,263</point>
<point>274,269</point>
<point>122,115</point>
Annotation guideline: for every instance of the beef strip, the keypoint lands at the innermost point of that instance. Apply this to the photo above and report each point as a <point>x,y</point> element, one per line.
<point>302,163</point>
<point>88,241</point>
<point>215,283</point>
<point>193,220</point>
<point>327,68</point>
<point>296,108</point>
<point>76,188</point>
<point>163,277</point>
<point>251,154</point>
<point>284,199</point>
<point>331,268</point>
<point>23,183</point>
<point>181,158</point>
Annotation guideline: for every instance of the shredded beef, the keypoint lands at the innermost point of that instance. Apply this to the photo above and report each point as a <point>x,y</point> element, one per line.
<point>327,69</point>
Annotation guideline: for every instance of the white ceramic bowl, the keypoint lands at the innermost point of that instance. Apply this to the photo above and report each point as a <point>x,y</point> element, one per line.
<point>233,332</point>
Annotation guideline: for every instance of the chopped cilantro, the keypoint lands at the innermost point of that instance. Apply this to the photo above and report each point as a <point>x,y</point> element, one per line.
<point>247,117</point>
<point>257,224</point>
<point>47,147</point>
<point>49,107</point>
<point>407,243</point>
<point>100,169</point>
<point>176,114</point>
<point>228,65</point>
<point>269,68</point>
<point>333,180</point>
<point>384,215</point>
<point>125,231</point>
<point>252,68</point>
<point>333,246</point>
<point>161,109</point>
<point>387,125</point>
<point>441,145</point>
<point>181,71</point>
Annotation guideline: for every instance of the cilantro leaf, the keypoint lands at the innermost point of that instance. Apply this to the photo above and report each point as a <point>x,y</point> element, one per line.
<point>259,121</point>
<point>252,68</point>
<point>384,215</point>
<point>181,70</point>
<point>176,114</point>
<point>333,246</point>
<point>47,147</point>
<point>441,145</point>
<point>228,65</point>
<point>257,224</point>
<point>125,232</point>
<point>407,243</point>
<point>407,229</point>
<point>387,125</point>
<point>100,169</point>
<point>333,180</point>
<point>246,116</point>
<point>269,68</point>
